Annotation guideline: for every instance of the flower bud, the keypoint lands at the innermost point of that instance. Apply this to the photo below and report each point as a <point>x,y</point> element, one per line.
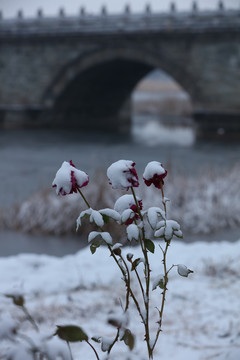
<point>117,249</point>
<point>183,270</point>
<point>68,179</point>
<point>122,175</point>
<point>129,257</point>
<point>154,173</point>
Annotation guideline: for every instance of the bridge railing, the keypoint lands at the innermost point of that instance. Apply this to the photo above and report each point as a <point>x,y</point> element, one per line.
<point>172,20</point>
<point>220,7</point>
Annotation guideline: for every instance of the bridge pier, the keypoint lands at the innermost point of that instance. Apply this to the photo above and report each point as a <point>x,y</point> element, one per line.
<point>42,118</point>
<point>118,123</point>
<point>91,117</point>
<point>217,125</point>
<point>209,125</point>
<point>21,117</point>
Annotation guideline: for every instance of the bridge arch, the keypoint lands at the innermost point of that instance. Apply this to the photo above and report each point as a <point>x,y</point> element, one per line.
<point>95,89</point>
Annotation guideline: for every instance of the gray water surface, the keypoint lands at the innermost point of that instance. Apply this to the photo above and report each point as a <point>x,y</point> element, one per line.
<point>29,160</point>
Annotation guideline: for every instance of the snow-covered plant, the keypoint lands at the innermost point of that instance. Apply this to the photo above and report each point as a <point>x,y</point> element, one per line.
<point>141,225</point>
<point>40,345</point>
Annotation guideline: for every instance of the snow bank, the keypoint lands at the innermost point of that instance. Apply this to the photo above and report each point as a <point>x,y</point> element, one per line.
<point>202,311</point>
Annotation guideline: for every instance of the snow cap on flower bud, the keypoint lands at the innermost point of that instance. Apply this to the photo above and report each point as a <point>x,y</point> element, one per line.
<point>183,270</point>
<point>154,173</point>
<point>17,298</point>
<point>117,249</point>
<point>122,175</point>
<point>69,179</point>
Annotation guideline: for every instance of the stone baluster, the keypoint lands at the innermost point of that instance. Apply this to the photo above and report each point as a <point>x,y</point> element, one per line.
<point>104,10</point>
<point>194,6</point>
<point>82,11</point>
<point>127,9</point>
<point>173,7</point>
<point>61,13</point>
<point>40,13</point>
<point>221,5</point>
<point>20,14</point>
<point>148,9</point>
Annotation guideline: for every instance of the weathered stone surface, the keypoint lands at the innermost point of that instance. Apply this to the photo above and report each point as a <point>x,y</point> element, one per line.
<point>81,71</point>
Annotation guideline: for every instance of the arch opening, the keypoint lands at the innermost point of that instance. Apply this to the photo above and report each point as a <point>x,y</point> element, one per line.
<point>162,111</point>
<point>100,96</point>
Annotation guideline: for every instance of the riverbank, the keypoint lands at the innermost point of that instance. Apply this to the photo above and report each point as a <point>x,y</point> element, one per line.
<point>16,242</point>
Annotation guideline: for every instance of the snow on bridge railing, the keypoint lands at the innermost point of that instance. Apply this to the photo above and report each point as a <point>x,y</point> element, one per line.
<point>193,21</point>
<point>126,11</point>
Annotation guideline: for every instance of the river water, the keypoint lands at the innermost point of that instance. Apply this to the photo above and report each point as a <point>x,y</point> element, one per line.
<point>29,160</point>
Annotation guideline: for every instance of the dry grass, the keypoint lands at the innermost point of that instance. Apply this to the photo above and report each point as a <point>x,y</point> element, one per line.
<point>47,213</point>
<point>204,204</point>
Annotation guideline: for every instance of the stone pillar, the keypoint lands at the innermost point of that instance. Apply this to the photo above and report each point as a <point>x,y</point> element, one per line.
<point>173,7</point>
<point>40,13</point>
<point>61,13</point>
<point>82,11</point>
<point>215,125</point>
<point>20,14</point>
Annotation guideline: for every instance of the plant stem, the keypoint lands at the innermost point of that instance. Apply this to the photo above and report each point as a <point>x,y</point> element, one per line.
<point>29,317</point>
<point>70,351</point>
<point>163,201</point>
<point>126,282</point>
<point>114,341</point>
<point>147,278</point>
<point>163,294</point>
<point>95,352</point>
<point>140,283</point>
<point>167,243</point>
<point>136,202</point>
<point>85,200</point>
<point>170,268</point>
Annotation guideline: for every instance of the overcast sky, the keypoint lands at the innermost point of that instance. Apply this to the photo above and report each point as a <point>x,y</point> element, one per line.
<point>51,7</point>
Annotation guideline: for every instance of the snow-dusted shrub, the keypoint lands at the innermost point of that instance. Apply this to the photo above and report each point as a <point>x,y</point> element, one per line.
<point>37,346</point>
<point>138,224</point>
<point>202,204</point>
<point>211,202</point>
<point>47,214</point>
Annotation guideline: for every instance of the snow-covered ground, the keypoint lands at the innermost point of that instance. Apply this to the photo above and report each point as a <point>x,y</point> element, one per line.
<point>201,319</point>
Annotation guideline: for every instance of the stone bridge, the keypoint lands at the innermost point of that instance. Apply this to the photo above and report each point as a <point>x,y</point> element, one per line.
<point>80,71</point>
